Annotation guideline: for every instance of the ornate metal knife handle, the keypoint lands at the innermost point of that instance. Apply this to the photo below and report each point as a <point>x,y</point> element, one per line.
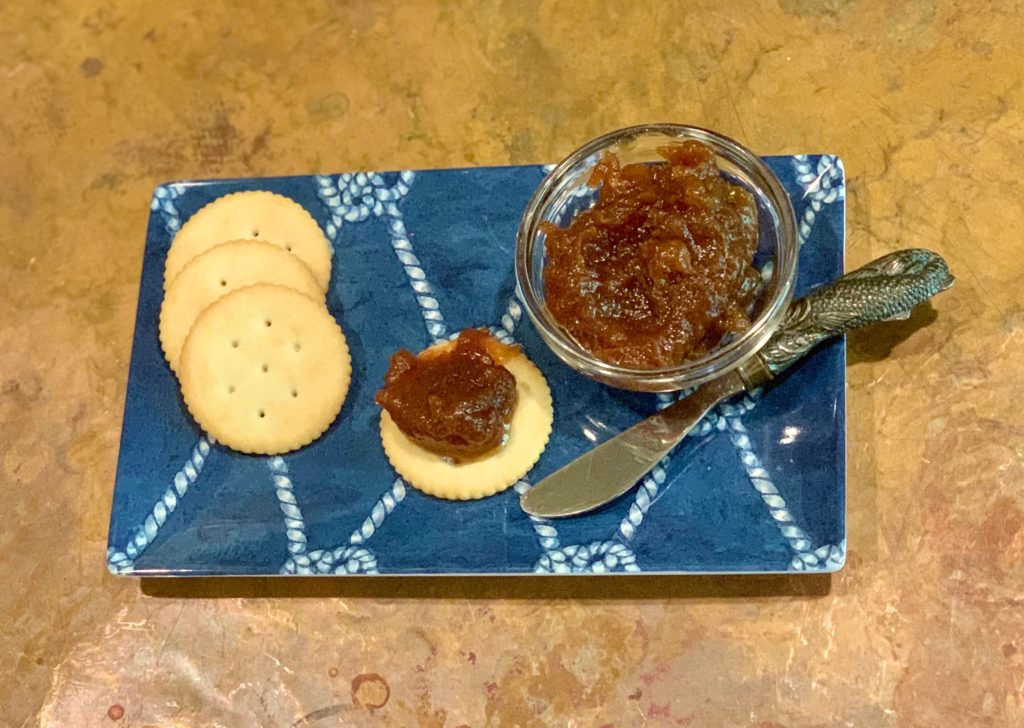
<point>883,290</point>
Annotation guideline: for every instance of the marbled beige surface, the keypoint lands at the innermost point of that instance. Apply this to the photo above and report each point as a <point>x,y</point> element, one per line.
<point>100,101</point>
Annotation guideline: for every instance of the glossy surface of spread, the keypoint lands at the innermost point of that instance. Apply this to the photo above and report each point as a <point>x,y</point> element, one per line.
<point>660,269</point>
<point>454,400</point>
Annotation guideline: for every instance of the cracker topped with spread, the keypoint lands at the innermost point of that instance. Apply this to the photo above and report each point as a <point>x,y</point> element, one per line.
<point>464,419</point>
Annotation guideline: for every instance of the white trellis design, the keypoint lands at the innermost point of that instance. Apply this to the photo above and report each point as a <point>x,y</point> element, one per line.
<point>352,198</point>
<point>823,184</point>
<point>123,561</point>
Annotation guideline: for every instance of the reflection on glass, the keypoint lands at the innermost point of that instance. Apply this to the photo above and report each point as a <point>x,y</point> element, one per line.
<point>595,429</point>
<point>789,435</point>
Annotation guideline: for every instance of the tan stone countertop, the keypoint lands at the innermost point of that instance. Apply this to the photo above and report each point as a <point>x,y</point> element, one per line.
<point>101,101</point>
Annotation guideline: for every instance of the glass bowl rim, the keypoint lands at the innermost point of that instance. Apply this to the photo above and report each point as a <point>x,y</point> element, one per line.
<point>722,359</point>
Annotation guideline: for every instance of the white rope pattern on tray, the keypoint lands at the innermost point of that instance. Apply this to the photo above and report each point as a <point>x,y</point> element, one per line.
<point>329,195</point>
<point>430,309</point>
<point>353,198</point>
<point>163,200</point>
<point>342,560</point>
<point>823,184</point>
<point>647,491</point>
<point>505,331</point>
<point>598,557</point>
<point>829,558</point>
<point>547,534</point>
<point>762,482</point>
<point>294,526</point>
<point>354,558</point>
<point>123,562</point>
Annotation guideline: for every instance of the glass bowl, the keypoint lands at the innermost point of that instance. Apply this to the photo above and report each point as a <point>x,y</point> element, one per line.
<point>564,193</point>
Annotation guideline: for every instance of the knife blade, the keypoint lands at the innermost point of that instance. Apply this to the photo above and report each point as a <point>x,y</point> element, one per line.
<point>883,290</point>
<point>625,458</point>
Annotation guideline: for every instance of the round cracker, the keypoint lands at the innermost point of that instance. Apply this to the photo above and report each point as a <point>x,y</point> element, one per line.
<point>265,369</point>
<point>254,214</point>
<point>528,435</point>
<point>220,270</point>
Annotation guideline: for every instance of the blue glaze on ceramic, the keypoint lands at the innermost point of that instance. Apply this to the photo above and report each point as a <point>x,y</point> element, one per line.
<point>759,486</point>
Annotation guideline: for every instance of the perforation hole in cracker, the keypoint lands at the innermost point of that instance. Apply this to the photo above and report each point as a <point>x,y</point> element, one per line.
<point>217,272</point>
<point>258,215</point>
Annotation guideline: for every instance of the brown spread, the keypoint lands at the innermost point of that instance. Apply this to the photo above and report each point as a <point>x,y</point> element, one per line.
<point>454,400</point>
<point>660,269</point>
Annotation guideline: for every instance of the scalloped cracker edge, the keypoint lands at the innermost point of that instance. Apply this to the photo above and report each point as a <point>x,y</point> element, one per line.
<point>272,217</point>
<point>529,432</point>
<point>264,388</point>
<point>217,272</point>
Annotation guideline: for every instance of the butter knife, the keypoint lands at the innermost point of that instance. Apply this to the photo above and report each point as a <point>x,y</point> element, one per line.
<point>883,290</point>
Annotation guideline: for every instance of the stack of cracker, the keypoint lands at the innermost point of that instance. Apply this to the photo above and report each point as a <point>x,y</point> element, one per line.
<point>263,366</point>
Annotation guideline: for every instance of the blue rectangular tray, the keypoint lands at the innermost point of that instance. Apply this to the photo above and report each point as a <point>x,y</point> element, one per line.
<point>759,486</point>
